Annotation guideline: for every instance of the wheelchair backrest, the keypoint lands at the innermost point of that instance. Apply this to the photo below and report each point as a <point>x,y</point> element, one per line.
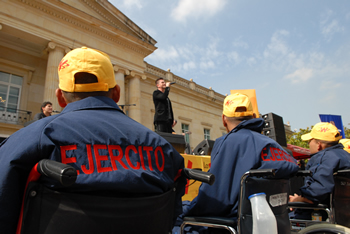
<point>341,197</point>
<point>51,212</point>
<point>276,190</point>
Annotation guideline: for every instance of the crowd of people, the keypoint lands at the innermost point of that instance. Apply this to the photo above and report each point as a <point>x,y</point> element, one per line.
<point>91,121</point>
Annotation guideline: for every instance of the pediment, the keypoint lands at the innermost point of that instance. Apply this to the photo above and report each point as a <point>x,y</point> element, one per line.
<point>104,11</point>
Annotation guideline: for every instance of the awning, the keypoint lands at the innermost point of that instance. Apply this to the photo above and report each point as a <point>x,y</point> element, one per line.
<point>299,152</point>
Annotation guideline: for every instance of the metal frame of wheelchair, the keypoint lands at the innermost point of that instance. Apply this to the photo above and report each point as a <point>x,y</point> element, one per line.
<point>333,224</point>
<point>311,227</point>
<point>244,219</point>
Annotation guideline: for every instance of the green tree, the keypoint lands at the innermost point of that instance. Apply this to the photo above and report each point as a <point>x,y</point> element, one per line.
<point>347,132</point>
<point>295,138</point>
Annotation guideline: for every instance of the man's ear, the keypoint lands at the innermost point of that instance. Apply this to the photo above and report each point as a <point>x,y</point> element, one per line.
<point>60,98</point>
<point>116,94</point>
<point>320,146</point>
<point>224,122</point>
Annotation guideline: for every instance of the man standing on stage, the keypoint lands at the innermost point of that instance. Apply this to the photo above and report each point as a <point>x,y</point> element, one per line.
<point>163,117</point>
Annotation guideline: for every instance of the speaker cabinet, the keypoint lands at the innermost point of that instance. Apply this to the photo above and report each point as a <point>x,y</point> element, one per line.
<point>274,128</point>
<point>177,141</point>
<point>204,147</point>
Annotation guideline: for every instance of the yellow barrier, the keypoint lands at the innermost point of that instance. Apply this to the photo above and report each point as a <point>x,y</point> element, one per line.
<point>194,161</point>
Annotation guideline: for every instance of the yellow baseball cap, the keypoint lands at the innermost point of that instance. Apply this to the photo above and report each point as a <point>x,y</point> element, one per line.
<point>90,61</point>
<point>346,144</point>
<point>323,131</point>
<point>233,101</point>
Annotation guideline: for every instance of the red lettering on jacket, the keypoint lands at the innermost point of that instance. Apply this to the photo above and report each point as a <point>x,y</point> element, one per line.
<point>160,168</point>
<point>148,150</point>
<point>90,162</point>
<point>127,156</point>
<point>116,158</point>
<point>132,158</point>
<point>100,158</point>
<point>264,155</point>
<point>141,158</point>
<point>64,158</point>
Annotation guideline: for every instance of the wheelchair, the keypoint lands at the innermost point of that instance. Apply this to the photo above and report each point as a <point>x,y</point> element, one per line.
<point>338,220</point>
<point>256,181</point>
<point>45,210</point>
<point>253,181</point>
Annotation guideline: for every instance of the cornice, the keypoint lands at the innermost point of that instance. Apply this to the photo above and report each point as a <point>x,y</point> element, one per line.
<point>89,25</point>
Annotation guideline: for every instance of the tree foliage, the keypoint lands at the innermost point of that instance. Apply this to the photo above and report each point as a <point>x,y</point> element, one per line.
<point>295,138</point>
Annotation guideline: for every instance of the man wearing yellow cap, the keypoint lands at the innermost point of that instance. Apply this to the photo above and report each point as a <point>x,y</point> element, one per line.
<point>110,151</point>
<point>327,157</point>
<point>241,149</point>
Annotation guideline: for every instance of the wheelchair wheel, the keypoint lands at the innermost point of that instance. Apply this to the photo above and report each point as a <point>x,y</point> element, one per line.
<point>325,228</point>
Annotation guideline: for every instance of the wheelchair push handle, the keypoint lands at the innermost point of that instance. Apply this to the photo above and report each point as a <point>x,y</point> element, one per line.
<point>65,174</point>
<point>199,175</point>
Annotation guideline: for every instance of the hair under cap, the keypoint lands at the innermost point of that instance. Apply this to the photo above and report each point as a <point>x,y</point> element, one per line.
<point>90,61</point>
<point>323,131</point>
<point>233,101</point>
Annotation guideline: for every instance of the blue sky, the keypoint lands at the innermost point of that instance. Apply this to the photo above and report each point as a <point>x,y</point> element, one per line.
<point>295,54</point>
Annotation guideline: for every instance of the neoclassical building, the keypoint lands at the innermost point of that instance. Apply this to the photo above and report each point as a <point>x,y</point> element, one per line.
<point>36,34</point>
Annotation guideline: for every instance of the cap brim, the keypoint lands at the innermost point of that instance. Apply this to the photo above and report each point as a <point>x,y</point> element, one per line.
<point>306,137</point>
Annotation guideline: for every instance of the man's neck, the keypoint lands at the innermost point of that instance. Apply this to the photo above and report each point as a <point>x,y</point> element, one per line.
<point>161,89</point>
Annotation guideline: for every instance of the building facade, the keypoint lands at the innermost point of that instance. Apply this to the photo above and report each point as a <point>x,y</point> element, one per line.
<point>36,34</point>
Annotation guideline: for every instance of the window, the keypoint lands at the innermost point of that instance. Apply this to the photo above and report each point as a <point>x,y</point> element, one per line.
<point>10,90</point>
<point>206,134</point>
<point>185,129</point>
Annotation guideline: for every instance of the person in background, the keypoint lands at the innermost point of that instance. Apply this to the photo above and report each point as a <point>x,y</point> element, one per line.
<point>327,157</point>
<point>346,144</point>
<point>46,110</point>
<point>163,117</point>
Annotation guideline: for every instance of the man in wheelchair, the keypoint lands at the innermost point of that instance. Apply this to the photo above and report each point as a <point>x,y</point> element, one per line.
<point>111,152</point>
<point>241,149</point>
<point>327,157</point>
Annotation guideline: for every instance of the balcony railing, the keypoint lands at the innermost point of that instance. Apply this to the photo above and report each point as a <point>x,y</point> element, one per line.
<point>14,116</point>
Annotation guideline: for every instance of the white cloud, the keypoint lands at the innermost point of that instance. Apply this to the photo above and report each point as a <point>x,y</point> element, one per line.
<point>133,3</point>
<point>330,26</point>
<point>277,45</point>
<point>189,65</point>
<point>207,64</point>
<point>197,9</point>
<point>300,75</point>
<point>234,56</point>
<point>165,54</point>
<point>240,43</point>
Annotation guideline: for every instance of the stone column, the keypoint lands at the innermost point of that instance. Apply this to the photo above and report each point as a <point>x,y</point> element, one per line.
<point>134,84</point>
<point>119,75</point>
<point>56,53</point>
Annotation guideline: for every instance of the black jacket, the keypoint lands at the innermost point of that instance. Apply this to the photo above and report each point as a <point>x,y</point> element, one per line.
<point>162,105</point>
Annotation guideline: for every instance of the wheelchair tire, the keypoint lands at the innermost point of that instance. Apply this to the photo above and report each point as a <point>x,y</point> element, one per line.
<point>325,228</point>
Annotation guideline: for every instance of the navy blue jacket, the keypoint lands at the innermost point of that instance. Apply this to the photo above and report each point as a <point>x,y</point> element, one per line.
<point>242,149</point>
<point>322,165</point>
<point>110,151</point>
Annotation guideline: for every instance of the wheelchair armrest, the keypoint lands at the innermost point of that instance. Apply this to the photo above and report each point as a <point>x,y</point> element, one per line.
<point>215,220</point>
<point>63,173</point>
<point>345,172</point>
<point>262,172</point>
<point>303,173</point>
<point>197,174</point>
<point>305,205</point>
